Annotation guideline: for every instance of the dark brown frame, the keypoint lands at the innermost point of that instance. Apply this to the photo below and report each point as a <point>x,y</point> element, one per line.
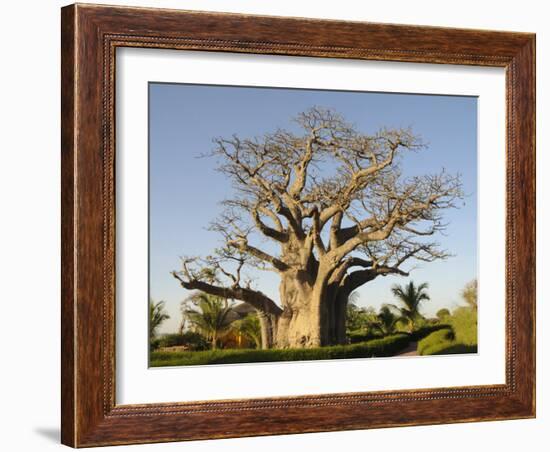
<point>90,35</point>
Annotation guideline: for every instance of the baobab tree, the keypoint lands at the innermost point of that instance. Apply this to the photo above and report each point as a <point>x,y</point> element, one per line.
<point>328,209</point>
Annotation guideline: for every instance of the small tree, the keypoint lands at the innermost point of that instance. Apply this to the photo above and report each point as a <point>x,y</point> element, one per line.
<point>208,315</point>
<point>469,294</point>
<point>157,316</point>
<point>387,320</point>
<point>250,328</point>
<point>411,297</point>
<point>443,314</point>
<point>358,318</point>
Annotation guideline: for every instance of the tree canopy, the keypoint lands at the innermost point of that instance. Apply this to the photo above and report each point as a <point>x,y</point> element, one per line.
<point>327,208</point>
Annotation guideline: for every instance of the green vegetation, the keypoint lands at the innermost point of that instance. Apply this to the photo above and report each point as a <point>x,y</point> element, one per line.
<point>442,314</point>
<point>209,315</point>
<point>427,330</point>
<point>435,341</point>
<point>360,320</point>
<point>215,331</point>
<point>157,316</point>
<point>189,339</point>
<point>387,346</point>
<point>469,294</point>
<point>355,337</point>
<point>387,321</point>
<point>410,298</point>
<point>459,337</point>
<point>464,324</point>
<point>249,327</point>
<point>365,323</point>
<point>451,349</point>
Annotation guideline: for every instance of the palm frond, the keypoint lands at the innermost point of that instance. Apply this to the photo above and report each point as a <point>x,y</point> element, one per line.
<point>410,297</point>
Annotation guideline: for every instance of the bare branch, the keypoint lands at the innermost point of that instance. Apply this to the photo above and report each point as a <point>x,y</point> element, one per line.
<point>242,245</point>
<point>253,297</point>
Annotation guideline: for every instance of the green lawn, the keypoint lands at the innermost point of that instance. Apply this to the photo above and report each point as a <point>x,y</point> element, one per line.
<point>387,346</point>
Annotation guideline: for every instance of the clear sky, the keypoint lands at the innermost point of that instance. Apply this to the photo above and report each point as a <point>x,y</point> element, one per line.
<point>185,191</point>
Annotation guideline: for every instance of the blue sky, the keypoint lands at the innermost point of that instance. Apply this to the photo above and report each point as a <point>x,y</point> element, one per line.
<point>185,190</point>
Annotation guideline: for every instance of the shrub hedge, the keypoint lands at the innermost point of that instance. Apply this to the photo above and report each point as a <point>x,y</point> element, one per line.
<point>464,323</point>
<point>450,348</point>
<point>387,346</point>
<point>357,336</point>
<point>447,342</point>
<point>427,330</point>
<point>435,339</point>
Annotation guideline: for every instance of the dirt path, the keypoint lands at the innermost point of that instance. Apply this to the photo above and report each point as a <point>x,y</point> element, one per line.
<point>410,350</point>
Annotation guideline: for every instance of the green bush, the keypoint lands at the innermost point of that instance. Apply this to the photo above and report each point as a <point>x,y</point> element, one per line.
<point>441,336</point>
<point>426,330</point>
<point>357,336</point>
<point>464,323</point>
<point>170,340</point>
<point>449,348</point>
<point>154,344</point>
<point>387,346</point>
<point>461,338</point>
<point>442,314</point>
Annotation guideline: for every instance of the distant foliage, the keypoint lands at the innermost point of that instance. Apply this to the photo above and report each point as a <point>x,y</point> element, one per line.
<point>361,319</point>
<point>442,314</point>
<point>460,338</point>
<point>190,339</point>
<point>387,320</point>
<point>464,323</point>
<point>157,315</point>
<point>469,294</point>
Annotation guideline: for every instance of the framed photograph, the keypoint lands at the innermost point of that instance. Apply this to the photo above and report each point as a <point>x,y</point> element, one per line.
<point>281,225</point>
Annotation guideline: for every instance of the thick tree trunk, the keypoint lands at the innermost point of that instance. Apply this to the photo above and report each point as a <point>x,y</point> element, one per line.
<point>306,318</point>
<point>301,323</point>
<point>340,314</point>
<point>298,329</point>
<point>268,328</point>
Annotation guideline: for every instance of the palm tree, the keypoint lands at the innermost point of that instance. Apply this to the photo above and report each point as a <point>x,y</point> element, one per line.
<point>157,315</point>
<point>411,297</point>
<point>250,328</point>
<point>387,320</point>
<point>209,316</point>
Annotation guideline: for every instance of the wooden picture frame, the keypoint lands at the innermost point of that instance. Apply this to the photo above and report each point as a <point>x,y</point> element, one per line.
<point>90,36</point>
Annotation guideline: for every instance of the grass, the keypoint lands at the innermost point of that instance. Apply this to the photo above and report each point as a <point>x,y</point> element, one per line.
<point>387,346</point>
